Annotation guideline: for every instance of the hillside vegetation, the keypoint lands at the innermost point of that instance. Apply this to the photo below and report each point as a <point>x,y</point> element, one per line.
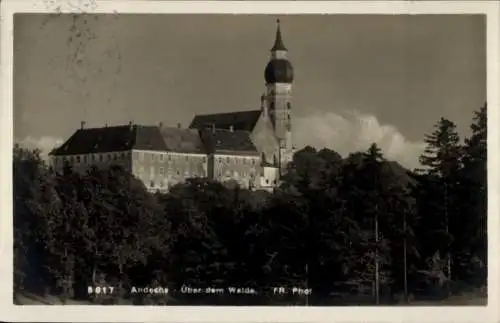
<point>345,227</point>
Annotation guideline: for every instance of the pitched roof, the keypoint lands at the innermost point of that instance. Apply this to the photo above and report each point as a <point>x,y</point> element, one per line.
<point>182,140</point>
<point>96,140</point>
<point>108,139</point>
<point>149,138</point>
<point>243,120</point>
<point>121,138</point>
<point>229,142</point>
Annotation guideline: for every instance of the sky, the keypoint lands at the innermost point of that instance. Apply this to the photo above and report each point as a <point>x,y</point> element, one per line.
<point>359,79</point>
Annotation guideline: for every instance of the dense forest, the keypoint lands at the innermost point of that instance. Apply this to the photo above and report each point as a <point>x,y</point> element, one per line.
<point>356,230</point>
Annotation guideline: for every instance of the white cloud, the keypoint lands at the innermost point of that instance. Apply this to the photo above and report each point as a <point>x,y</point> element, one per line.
<point>44,143</point>
<point>355,132</point>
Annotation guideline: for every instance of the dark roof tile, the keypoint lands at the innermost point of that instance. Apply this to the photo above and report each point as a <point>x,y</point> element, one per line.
<point>243,120</point>
<point>97,140</point>
<point>182,140</point>
<point>229,142</point>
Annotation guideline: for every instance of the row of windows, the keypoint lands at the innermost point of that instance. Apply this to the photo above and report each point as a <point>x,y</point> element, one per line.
<point>161,171</point>
<point>237,160</point>
<point>85,159</point>
<point>243,174</point>
<point>161,157</point>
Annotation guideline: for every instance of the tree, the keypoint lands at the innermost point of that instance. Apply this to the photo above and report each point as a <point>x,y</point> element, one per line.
<point>442,159</point>
<point>472,232</point>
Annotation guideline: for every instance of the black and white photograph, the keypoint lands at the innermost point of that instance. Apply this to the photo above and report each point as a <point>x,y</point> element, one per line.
<point>250,160</point>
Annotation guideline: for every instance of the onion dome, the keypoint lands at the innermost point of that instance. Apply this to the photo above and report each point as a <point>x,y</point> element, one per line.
<point>279,69</point>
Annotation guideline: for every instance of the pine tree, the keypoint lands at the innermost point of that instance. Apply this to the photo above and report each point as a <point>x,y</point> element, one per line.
<point>473,227</point>
<point>442,162</point>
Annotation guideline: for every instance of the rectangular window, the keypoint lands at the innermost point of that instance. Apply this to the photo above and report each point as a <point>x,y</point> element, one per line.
<point>116,156</point>
<point>187,158</point>
<point>152,157</point>
<point>169,157</point>
<point>100,158</point>
<point>109,157</point>
<point>141,156</point>
<point>204,159</point>
<point>161,170</point>
<point>227,159</point>
<point>152,183</point>
<point>77,159</point>
<point>85,159</point>
<point>161,157</point>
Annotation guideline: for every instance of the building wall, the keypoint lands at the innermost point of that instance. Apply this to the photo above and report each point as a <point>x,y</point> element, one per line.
<point>159,169</point>
<point>243,169</point>
<point>270,177</point>
<point>83,162</point>
<point>264,140</point>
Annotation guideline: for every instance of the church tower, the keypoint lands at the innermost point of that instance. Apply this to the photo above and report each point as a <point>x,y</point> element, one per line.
<point>279,78</point>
